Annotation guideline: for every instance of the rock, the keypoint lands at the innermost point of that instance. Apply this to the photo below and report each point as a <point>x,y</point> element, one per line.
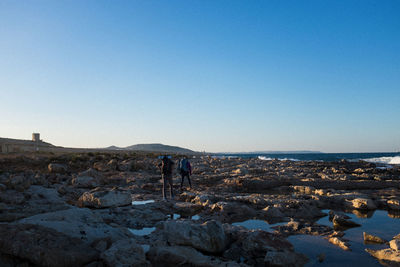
<point>77,223</point>
<point>208,237</point>
<point>363,204</point>
<point>126,165</point>
<point>373,239</point>
<point>178,256</point>
<point>187,208</point>
<point>232,211</point>
<point>394,204</point>
<point>19,182</point>
<point>57,168</point>
<point>85,182</point>
<point>283,258</point>
<point>105,199</point>
<point>340,222</point>
<point>385,254</point>
<point>125,252</point>
<point>3,187</point>
<point>273,212</point>
<point>43,246</point>
<point>340,243</point>
<point>307,190</point>
<point>395,244</point>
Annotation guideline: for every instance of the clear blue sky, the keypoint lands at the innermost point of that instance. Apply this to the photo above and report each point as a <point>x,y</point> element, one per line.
<point>206,75</point>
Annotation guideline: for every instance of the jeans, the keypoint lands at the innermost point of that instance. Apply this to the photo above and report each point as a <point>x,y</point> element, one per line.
<point>185,174</point>
<point>167,178</point>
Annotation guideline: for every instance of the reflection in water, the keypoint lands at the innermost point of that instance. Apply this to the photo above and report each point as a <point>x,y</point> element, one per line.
<point>142,202</point>
<point>380,224</point>
<point>143,231</point>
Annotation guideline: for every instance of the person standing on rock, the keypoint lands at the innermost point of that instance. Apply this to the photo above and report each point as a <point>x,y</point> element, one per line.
<point>166,174</point>
<point>185,170</point>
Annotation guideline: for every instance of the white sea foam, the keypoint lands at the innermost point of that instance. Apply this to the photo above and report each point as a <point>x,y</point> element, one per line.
<point>385,160</point>
<point>265,158</point>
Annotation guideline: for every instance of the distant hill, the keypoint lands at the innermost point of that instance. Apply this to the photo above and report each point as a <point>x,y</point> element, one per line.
<point>154,148</point>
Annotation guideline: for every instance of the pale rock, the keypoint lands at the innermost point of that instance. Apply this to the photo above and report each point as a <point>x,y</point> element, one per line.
<point>395,244</point>
<point>385,254</point>
<point>340,243</point>
<point>78,223</point>
<point>363,204</point>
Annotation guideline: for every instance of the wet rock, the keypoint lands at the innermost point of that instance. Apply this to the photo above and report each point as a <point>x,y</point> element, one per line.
<point>43,246</point>
<point>105,198</point>
<point>125,253</point>
<point>57,168</point>
<point>339,242</point>
<point>340,222</point>
<point>385,254</point>
<point>373,239</point>
<point>77,223</point>
<point>208,237</point>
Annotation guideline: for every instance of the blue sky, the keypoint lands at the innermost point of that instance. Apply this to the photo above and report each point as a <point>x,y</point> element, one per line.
<point>206,75</point>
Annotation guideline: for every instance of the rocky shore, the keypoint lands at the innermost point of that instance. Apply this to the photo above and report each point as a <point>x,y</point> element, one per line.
<point>103,209</point>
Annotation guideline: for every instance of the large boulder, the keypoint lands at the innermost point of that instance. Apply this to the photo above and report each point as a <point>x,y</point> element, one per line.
<point>385,254</point>
<point>125,252</point>
<point>43,246</point>
<point>105,199</point>
<point>78,223</point>
<point>208,237</point>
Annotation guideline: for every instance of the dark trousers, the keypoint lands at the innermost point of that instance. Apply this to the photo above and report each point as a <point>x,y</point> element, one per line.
<point>185,174</point>
<point>167,178</point>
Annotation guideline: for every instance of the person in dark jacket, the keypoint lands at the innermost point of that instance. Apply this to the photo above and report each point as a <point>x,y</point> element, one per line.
<point>185,170</point>
<point>166,174</point>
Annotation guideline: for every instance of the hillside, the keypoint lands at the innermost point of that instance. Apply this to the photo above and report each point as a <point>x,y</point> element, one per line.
<point>154,148</point>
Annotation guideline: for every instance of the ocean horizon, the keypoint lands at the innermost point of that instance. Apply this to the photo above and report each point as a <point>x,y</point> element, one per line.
<point>377,157</point>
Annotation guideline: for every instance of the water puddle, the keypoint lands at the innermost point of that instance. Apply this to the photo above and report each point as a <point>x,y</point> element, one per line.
<point>195,217</point>
<point>258,224</point>
<point>142,202</point>
<point>176,216</point>
<point>143,231</point>
<point>146,248</point>
<point>379,224</point>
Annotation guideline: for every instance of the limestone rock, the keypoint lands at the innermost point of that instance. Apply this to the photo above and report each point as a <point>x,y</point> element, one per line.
<point>43,246</point>
<point>340,222</point>
<point>105,199</point>
<point>77,223</point>
<point>340,243</point>
<point>385,254</point>
<point>363,204</point>
<point>394,204</point>
<point>395,244</point>
<point>373,239</point>
<point>125,252</point>
<point>57,168</point>
<point>208,237</point>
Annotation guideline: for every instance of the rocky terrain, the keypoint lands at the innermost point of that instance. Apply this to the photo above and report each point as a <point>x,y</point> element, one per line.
<point>103,209</point>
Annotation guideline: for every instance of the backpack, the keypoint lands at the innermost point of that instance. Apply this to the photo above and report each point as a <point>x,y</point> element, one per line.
<point>183,165</point>
<point>167,166</point>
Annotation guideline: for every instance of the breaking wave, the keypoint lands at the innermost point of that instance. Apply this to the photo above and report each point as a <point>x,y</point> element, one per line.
<point>384,160</point>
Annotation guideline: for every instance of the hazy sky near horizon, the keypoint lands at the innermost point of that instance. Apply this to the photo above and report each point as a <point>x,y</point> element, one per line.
<point>206,75</point>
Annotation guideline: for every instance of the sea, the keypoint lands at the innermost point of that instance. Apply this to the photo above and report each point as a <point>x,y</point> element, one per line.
<point>379,158</point>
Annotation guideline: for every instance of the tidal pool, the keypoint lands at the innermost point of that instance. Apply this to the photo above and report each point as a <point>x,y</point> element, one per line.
<point>379,224</point>
<point>142,202</point>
